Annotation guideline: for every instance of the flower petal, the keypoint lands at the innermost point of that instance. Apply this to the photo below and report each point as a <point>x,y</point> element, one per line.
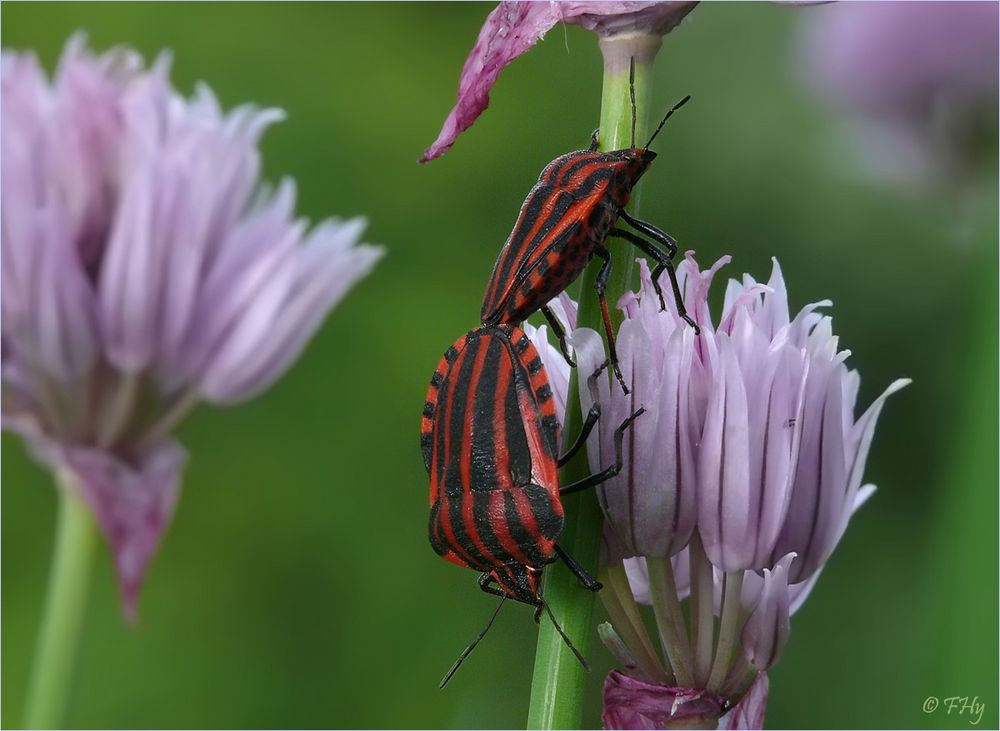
<point>555,365</point>
<point>510,30</point>
<point>749,712</point>
<point>325,267</point>
<point>766,631</point>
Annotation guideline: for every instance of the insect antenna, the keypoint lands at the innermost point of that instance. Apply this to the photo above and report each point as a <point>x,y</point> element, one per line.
<point>631,93</point>
<point>468,650</point>
<point>673,109</point>
<point>566,639</point>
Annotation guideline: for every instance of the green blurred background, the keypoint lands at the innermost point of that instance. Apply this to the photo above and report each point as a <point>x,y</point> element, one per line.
<point>296,587</point>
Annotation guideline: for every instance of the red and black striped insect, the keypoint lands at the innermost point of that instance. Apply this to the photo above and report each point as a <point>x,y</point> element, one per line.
<point>564,222</point>
<point>490,441</point>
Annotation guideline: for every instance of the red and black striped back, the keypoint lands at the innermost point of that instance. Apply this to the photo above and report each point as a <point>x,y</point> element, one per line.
<point>557,212</point>
<point>490,439</point>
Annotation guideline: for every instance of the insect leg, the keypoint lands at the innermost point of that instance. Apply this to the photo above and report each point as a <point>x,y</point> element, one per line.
<point>607,473</point>
<point>592,416</point>
<point>595,140</point>
<point>601,285</point>
<point>557,330</point>
<point>659,236</point>
<point>588,581</point>
<point>663,263</point>
<point>468,650</point>
<point>486,582</point>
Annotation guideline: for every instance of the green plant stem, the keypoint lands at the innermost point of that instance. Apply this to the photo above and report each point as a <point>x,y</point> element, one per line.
<point>670,619</point>
<point>702,611</point>
<point>624,613</point>
<point>557,688</point>
<point>62,619</point>
<point>729,627</point>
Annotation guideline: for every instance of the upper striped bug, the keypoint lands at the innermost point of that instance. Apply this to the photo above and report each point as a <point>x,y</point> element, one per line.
<point>563,223</point>
<point>490,441</point>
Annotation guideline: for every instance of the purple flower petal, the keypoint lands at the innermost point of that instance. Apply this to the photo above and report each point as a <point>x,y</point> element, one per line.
<point>634,704</point>
<point>638,576</point>
<point>832,454</point>
<point>766,631</point>
<point>510,30</point>
<point>269,335</point>
<point>555,364</point>
<point>749,712</point>
<point>514,27</point>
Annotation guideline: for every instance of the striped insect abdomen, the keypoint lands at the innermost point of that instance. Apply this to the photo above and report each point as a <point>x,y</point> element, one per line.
<point>565,216</point>
<point>489,436</point>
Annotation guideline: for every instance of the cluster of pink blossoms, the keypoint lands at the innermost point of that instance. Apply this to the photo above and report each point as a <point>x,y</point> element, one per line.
<point>144,271</point>
<point>739,481</point>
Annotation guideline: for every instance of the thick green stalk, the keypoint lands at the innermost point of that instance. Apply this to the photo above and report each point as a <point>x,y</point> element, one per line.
<point>557,688</point>
<point>62,619</point>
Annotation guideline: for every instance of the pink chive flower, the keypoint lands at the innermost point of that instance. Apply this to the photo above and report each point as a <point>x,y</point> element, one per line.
<point>144,270</point>
<point>917,81</point>
<point>514,27</point>
<point>738,483</point>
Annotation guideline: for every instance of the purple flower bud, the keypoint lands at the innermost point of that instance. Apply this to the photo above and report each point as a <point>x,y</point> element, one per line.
<point>832,455</point>
<point>141,274</point>
<point>750,440</point>
<point>651,505</point>
<point>766,631</point>
<point>514,27</point>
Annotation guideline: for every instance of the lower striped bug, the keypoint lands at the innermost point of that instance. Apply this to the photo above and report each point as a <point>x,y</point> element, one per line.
<point>490,441</point>
<point>565,220</point>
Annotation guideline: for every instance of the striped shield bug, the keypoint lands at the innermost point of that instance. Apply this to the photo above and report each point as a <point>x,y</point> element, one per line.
<point>566,218</point>
<point>490,441</point>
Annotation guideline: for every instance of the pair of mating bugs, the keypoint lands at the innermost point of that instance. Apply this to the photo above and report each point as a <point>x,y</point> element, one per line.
<point>489,435</point>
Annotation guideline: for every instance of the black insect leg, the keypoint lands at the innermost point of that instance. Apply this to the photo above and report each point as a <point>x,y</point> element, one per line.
<point>588,581</point>
<point>557,330</point>
<point>601,286</point>
<point>486,584</point>
<point>606,474</point>
<point>664,261</point>
<point>658,235</point>
<point>468,650</point>
<point>595,140</point>
<point>592,416</point>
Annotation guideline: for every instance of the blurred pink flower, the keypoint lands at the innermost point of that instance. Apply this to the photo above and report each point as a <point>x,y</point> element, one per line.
<point>917,79</point>
<point>143,272</point>
<point>514,27</point>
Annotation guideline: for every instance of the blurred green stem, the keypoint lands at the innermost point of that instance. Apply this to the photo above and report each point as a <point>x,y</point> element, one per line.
<point>557,688</point>
<point>59,631</point>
